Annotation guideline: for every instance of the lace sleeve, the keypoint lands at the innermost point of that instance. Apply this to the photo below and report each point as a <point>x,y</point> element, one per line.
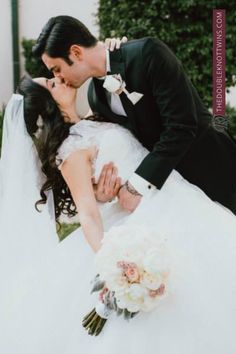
<point>72,143</point>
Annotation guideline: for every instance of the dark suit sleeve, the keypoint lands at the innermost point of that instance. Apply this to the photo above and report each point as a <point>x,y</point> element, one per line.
<point>171,90</point>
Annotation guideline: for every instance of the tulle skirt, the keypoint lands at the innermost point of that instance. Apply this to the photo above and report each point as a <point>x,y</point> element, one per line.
<point>43,311</point>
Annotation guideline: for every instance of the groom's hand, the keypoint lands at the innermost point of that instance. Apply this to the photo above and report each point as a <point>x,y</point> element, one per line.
<point>114,43</point>
<point>108,184</point>
<point>129,198</point>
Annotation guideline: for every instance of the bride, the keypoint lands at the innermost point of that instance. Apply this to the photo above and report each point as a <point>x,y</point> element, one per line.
<point>45,295</point>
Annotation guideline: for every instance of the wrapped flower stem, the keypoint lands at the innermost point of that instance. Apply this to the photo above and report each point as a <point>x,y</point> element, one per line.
<point>93,323</point>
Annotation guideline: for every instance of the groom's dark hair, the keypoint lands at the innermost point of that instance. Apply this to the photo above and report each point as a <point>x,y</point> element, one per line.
<point>59,34</point>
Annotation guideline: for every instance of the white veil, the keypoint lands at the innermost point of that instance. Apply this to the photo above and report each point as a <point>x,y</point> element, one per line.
<point>26,236</point>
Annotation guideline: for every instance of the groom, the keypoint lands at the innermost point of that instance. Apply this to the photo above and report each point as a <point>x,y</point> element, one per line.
<point>165,114</point>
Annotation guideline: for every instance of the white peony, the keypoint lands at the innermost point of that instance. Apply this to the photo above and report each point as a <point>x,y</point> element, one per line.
<point>136,291</point>
<point>151,281</point>
<point>155,260</point>
<point>125,302</point>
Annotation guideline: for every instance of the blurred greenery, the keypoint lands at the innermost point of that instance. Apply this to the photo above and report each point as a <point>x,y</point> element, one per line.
<point>66,229</point>
<point>231,115</point>
<point>34,66</point>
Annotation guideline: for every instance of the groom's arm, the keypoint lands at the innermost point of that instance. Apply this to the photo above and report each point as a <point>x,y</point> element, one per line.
<point>171,90</point>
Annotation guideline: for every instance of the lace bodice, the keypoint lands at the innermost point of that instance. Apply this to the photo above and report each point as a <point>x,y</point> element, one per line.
<point>113,143</point>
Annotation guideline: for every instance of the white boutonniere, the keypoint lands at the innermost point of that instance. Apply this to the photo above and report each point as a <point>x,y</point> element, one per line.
<point>115,84</point>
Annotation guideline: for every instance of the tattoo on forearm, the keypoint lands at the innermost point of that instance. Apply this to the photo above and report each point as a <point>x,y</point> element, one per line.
<point>131,189</point>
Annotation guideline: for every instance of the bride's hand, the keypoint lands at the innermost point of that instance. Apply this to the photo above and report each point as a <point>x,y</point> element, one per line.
<point>108,184</point>
<point>114,43</point>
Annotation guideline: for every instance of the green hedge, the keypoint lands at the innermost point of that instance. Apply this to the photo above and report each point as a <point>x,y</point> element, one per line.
<point>184,25</point>
<point>231,114</point>
<point>66,230</point>
<point>34,66</point>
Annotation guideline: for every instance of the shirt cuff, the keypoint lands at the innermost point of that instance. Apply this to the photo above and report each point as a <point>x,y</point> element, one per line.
<point>141,185</point>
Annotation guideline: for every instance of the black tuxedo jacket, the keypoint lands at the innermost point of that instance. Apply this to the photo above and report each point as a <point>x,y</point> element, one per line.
<point>170,120</point>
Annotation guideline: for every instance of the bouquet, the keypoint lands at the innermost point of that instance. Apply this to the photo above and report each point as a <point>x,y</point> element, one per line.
<point>133,270</point>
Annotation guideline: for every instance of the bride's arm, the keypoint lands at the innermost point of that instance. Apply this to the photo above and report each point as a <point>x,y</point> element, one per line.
<point>77,171</point>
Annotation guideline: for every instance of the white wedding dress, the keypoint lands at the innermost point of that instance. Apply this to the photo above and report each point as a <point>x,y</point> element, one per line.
<point>44,314</point>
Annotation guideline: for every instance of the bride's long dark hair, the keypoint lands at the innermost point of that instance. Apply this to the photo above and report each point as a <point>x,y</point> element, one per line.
<point>39,102</point>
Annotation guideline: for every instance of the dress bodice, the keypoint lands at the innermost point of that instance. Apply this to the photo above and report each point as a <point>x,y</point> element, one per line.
<point>113,142</point>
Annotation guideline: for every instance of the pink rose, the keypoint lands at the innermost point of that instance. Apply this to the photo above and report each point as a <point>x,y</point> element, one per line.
<point>102,294</point>
<point>130,271</point>
<point>132,274</point>
<point>160,291</point>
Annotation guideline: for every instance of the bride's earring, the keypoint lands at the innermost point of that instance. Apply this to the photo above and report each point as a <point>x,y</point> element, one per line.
<point>40,127</point>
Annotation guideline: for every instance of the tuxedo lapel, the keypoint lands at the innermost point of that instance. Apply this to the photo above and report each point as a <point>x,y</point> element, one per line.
<point>117,65</point>
<point>99,90</point>
<point>129,109</point>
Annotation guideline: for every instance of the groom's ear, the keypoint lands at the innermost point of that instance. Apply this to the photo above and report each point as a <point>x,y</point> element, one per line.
<point>76,52</point>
